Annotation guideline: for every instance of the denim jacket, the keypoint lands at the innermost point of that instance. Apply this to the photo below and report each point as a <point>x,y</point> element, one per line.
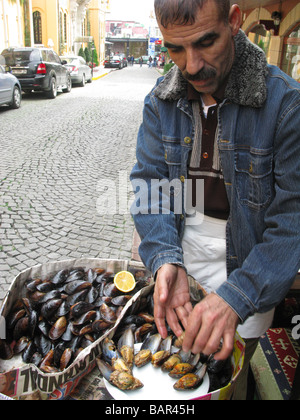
<point>259,147</point>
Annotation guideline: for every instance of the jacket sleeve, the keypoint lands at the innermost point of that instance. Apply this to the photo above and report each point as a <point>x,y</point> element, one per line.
<point>155,222</point>
<point>270,269</point>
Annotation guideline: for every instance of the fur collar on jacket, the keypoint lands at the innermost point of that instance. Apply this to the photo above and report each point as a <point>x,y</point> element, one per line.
<point>247,81</point>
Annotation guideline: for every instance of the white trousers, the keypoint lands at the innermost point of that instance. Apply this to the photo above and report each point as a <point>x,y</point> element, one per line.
<point>204,247</point>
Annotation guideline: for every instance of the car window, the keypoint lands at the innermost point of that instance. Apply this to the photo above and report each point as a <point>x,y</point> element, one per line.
<point>45,55</point>
<point>69,60</point>
<point>56,58</point>
<point>51,57</point>
<point>20,56</point>
<point>82,61</point>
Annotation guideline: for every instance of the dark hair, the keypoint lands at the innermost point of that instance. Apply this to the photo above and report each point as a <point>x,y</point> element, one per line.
<point>183,12</point>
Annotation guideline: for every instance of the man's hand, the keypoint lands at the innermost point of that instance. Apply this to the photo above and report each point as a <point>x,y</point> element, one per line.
<point>211,321</point>
<point>171,299</point>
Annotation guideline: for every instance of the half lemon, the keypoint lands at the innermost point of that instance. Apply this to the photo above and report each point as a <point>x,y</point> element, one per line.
<point>125,281</point>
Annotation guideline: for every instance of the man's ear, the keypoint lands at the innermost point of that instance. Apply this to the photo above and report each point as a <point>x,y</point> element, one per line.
<point>235,19</point>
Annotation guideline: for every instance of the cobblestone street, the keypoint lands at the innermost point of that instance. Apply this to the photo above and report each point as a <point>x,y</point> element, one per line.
<point>53,154</point>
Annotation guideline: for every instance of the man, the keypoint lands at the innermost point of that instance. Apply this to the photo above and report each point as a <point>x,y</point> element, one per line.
<point>222,115</point>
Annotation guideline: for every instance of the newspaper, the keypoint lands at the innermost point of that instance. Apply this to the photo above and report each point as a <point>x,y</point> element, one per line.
<point>22,381</point>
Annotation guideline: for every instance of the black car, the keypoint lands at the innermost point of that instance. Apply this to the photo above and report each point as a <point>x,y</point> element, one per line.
<point>38,69</point>
<point>114,62</point>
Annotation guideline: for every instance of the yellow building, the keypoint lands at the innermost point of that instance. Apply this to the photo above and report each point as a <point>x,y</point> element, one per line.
<point>275,27</point>
<point>63,25</point>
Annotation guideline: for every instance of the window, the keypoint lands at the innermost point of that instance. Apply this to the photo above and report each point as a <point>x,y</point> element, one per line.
<point>37,28</point>
<point>291,54</point>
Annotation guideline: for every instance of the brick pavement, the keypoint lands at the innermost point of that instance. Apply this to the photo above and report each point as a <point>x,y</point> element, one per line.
<point>53,154</point>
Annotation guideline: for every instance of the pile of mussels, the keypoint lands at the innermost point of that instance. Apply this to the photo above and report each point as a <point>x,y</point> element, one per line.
<point>119,358</point>
<point>62,315</point>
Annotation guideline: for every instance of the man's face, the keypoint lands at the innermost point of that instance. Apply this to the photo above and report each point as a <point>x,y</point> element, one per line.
<point>204,51</point>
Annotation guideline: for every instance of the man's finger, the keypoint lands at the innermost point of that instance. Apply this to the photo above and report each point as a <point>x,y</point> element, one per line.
<point>227,347</point>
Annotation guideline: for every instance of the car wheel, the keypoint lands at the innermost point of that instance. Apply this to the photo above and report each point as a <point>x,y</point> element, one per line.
<point>69,85</point>
<point>52,94</point>
<point>17,98</point>
<point>82,84</point>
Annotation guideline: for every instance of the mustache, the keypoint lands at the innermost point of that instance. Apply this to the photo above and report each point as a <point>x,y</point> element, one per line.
<point>203,74</point>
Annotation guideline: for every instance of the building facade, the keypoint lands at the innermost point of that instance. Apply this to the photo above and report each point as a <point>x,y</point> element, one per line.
<point>63,25</point>
<point>275,27</point>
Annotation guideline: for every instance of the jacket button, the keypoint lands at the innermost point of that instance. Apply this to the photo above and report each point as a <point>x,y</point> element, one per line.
<point>188,140</point>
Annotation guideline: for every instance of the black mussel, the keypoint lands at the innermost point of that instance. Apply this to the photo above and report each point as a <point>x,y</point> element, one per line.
<point>58,352</point>
<point>77,274</point>
<point>14,317</point>
<point>75,343</point>
<point>92,295</point>
<point>45,287</point>
<point>77,297</point>
<point>50,307</point>
<point>215,366</point>
<point>5,351</point>
<point>47,364</point>
<point>109,351</point>
<point>44,345</point>
<point>77,286</point>
<point>29,352</point>
<point>80,308</point>
<point>36,359</point>
<point>44,327</point>
<point>36,297</point>
<point>21,328</point>
<point>32,323</point>
<point>110,290</point>
<point>91,275</point>
<point>21,345</point>
<point>65,359</point>
<point>54,294</point>
<point>33,284</point>
<point>99,326</point>
<point>85,318</point>
<point>58,329</point>
<point>133,319</point>
<point>68,335</point>
<point>63,310</point>
<point>60,277</point>
<point>108,314</point>
<point>121,300</point>
<point>142,331</point>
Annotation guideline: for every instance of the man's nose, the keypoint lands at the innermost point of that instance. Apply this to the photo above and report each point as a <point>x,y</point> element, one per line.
<point>194,61</point>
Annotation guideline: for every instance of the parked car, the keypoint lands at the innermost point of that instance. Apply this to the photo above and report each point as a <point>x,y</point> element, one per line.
<point>38,69</point>
<point>114,62</point>
<point>79,70</point>
<point>10,89</point>
<point>124,58</point>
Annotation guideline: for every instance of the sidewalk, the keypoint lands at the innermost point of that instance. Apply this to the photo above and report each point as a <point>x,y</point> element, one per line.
<point>101,72</point>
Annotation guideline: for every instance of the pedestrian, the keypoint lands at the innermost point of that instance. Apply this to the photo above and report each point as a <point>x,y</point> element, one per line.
<point>222,115</point>
<point>155,62</point>
<point>141,61</point>
<point>150,62</point>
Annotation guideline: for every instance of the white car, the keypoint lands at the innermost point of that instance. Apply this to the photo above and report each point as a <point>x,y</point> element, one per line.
<point>10,89</point>
<point>79,70</point>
